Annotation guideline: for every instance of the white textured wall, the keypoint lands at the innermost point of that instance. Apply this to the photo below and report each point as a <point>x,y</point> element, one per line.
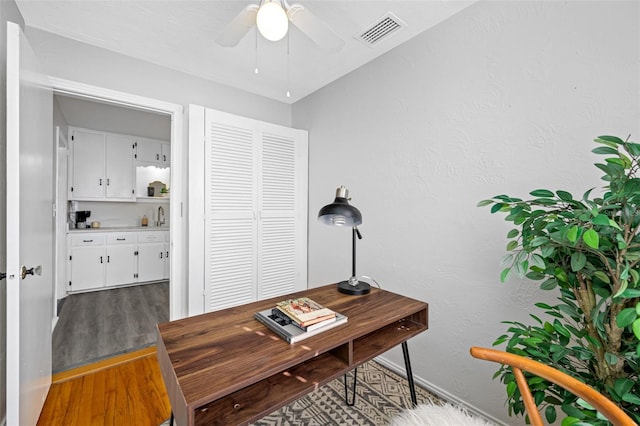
<point>504,97</point>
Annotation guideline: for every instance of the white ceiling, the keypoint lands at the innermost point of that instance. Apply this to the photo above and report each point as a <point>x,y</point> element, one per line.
<point>180,34</point>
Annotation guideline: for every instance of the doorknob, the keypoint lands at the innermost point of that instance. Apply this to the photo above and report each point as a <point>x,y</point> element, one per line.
<point>32,271</point>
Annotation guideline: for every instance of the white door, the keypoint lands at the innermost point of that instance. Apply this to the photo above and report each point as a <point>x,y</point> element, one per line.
<point>29,168</point>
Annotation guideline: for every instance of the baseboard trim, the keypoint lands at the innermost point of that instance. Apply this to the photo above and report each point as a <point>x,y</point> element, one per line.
<point>74,373</point>
<point>436,390</point>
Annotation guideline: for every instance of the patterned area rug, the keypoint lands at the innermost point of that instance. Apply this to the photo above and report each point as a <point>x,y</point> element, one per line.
<point>381,394</point>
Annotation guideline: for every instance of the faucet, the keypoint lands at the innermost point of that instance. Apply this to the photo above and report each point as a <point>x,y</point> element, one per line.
<point>160,221</point>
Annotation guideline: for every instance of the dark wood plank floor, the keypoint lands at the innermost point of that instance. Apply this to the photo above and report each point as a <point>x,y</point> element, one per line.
<point>104,323</point>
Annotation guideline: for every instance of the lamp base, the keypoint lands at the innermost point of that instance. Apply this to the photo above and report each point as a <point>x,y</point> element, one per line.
<point>355,290</point>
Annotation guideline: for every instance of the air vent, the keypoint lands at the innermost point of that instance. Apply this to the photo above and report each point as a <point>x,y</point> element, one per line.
<point>381,29</point>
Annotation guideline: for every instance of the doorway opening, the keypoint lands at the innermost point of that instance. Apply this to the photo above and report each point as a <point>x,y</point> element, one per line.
<point>116,113</point>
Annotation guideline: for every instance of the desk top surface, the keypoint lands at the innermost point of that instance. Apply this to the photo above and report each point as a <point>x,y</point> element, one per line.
<point>220,352</point>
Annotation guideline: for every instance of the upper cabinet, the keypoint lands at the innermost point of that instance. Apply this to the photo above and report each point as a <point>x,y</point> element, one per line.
<point>152,152</point>
<point>101,166</point>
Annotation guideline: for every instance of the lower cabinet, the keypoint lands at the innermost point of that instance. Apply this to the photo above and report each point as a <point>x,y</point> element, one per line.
<point>153,256</point>
<point>100,260</point>
<point>121,260</point>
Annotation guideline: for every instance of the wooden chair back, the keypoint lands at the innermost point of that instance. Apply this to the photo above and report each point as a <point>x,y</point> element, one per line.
<point>518,364</point>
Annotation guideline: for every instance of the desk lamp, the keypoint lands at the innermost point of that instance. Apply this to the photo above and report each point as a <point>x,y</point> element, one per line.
<point>341,213</point>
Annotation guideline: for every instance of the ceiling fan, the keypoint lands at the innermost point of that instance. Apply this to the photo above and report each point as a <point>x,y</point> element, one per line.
<point>272,18</point>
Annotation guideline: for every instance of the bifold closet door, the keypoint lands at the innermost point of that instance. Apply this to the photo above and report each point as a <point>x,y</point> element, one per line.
<point>255,210</point>
<point>231,205</point>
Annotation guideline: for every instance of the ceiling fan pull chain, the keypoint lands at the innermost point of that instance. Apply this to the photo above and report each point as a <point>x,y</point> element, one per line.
<point>288,63</point>
<point>256,70</point>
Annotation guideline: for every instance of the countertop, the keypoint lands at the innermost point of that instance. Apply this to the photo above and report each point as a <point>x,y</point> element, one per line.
<point>120,229</point>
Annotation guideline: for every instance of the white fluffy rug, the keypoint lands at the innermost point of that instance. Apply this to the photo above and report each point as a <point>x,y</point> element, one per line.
<point>438,415</point>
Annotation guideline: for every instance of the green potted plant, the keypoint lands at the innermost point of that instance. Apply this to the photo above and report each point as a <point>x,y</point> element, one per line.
<point>588,251</point>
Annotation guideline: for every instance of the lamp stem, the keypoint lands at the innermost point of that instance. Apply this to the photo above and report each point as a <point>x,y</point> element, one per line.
<point>353,252</point>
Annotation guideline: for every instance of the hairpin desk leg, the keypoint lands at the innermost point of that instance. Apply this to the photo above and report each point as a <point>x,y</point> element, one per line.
<point>407,366</point>
<point>346,393</point>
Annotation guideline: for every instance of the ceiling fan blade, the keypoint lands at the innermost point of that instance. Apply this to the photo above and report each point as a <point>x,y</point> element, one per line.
<point>314,28</point>
<point>238,27</point>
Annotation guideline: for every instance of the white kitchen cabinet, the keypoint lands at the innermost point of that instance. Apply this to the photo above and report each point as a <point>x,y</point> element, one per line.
<point>255,176</point>
<point>101,166</point>
<point>153,152</point>
<point>87,165</point>
<point>121,262</point>
<point>152,255</point>
<point>86,262</point>
<point>100,260</point>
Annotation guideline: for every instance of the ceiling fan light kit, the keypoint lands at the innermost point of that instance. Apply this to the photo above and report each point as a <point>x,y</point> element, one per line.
<point>272,20</point>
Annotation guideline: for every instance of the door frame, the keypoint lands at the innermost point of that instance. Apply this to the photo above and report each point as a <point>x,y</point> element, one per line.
<point>177,231</point>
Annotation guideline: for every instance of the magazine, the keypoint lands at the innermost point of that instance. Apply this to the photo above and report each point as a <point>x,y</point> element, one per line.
<point>305,311</point>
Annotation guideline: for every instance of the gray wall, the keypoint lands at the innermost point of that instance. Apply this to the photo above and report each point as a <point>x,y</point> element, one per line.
<point>8,12</point>
<point>504,97</point>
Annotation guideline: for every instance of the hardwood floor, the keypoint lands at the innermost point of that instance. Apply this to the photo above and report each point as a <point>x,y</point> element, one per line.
<point>124,390</point>
<point>104,323</point>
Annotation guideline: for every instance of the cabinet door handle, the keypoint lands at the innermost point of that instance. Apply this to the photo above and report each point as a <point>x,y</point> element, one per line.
<point>87,241</point>
<point>107,181</point>
<point>120,239</point>
<point>101,259</point>
<point>100,181</point>
<point>167,255</point>
<point>160,255</point>
<point>157,156</point>
<point>164,158</point>
<point>108,259</point>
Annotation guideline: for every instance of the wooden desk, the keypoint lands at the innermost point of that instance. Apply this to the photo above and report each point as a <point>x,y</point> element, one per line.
<point>227,368</point>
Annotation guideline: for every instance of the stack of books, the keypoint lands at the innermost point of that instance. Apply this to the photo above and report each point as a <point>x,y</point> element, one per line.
<point>297,319</point>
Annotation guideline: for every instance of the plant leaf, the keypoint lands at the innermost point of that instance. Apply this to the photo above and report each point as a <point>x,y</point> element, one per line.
<point>545,193</point>
<point>578,260</point>
<point>626,317</point>
<point>591,238</point>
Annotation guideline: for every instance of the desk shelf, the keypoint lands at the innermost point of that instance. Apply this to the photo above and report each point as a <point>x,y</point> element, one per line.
<point>376,343</point>
<point>257,400</point>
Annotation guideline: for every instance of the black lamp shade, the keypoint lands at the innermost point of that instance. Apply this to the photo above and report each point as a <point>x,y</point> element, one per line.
<point>340,212</point>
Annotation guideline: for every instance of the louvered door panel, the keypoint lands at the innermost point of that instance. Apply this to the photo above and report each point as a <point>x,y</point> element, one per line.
<point>230,204</point>
<point>231,263</point>
<point>277,258</point>
<point>278,172</point>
